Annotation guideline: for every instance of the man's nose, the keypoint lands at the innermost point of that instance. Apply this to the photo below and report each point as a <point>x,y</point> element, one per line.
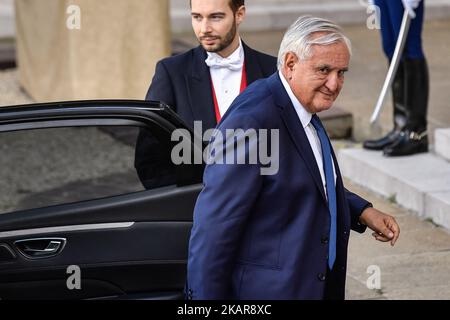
<point>332,82</point>
<point>205,27</point>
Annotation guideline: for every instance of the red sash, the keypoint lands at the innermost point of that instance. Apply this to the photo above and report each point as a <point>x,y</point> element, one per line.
<point>243,86</point>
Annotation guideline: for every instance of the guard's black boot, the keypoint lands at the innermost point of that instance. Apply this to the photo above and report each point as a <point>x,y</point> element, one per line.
<point>400,113</point>
<point>399,97</point>
<point>380,144</point>
<point>409,142</point>
<point>414,137</point>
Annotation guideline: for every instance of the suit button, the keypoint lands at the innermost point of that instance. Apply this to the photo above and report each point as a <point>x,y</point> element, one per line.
<point>321,277</point>
<point>324,240</point>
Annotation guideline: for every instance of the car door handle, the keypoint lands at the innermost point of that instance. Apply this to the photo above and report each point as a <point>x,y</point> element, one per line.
<point>52,247</point>
<point>40,248</point>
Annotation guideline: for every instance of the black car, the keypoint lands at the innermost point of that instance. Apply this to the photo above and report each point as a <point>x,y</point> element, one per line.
<point>76,221</point>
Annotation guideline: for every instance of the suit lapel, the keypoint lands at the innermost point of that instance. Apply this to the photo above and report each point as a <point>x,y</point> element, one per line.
<point>200,91</point>
<point>295,129</point>
<point>252,66</point>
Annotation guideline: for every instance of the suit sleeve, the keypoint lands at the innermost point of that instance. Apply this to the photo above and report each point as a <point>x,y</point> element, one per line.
<point>220,216</point>
<point>161,88</point>
<point>357,206</point>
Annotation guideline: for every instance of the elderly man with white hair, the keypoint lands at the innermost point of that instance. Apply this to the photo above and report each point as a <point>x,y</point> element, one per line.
<point>284,235</point>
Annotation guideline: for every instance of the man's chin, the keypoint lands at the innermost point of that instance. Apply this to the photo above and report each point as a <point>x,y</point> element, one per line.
<point>210,47</point>
<point>323,107</point>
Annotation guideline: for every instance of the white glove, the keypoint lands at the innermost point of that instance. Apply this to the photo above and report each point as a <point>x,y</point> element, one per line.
<point>366,3</point>
<point>410,5</point>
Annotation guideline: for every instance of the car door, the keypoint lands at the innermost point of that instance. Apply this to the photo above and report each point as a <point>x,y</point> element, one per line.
<point>76,221</point>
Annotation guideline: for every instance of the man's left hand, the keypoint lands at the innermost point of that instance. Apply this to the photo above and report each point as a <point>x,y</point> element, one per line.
<point>385,227</point>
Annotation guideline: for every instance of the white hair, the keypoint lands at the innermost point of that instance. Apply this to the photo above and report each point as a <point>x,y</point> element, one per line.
<point>300,37</point>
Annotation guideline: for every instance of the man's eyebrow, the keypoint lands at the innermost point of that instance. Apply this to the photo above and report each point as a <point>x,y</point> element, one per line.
<point>321,66</point>
<point>211,14</point>
<point>217,14</point>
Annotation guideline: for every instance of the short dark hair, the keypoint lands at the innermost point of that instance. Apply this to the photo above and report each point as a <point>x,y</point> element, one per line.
<point>234,4</point>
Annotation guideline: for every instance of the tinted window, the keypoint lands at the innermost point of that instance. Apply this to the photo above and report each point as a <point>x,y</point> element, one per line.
<point>44,167</point>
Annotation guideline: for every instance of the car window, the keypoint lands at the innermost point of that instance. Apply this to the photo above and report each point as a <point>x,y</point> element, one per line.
<point>45,167</point>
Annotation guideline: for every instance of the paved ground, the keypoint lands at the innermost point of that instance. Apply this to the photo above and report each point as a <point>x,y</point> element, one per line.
<point>10,91</point>
<point>415,268</point>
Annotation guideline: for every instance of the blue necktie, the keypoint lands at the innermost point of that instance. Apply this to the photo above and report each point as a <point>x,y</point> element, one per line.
<point>331,189</point>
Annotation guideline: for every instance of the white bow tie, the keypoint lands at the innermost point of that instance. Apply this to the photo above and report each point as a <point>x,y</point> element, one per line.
<point>216,62</point>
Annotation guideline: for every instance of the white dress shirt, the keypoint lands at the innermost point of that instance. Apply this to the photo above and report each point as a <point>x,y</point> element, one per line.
<point>311,133</point>
<point>226,80</point>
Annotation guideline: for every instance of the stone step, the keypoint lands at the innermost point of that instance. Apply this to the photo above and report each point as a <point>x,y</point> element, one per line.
<point>442,143</point>
<point>439,204</point>
<point>420,183</point>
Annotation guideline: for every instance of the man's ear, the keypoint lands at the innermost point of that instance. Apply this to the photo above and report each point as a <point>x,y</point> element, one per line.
<point>240,15</point>
<point>290,60</point>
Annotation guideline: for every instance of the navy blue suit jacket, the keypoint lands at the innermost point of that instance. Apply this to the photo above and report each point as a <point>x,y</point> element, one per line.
<point>265,237</point>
